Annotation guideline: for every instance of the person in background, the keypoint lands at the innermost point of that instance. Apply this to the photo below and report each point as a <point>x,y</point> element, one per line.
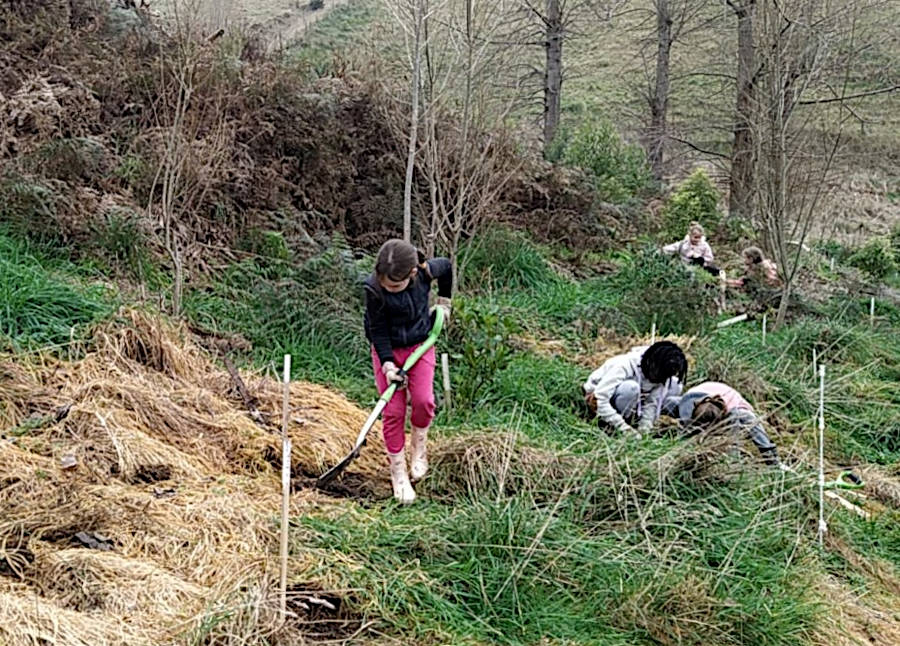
<point>759,271</point>
<point>397,321</point>
<point>632,387</point>
<point>694,249</point>
<point>712,403</point>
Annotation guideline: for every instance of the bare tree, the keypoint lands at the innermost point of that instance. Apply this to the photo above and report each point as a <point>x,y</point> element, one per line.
<point>553,70</point>
<point>411,15</point>
<point>556,21</point>
<point>673,18</point>
<point>800,46</point>
<point>470,92</point>
<point>193,133</point>
<point>743,146</point>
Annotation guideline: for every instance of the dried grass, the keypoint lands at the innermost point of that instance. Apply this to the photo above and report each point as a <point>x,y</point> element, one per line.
<point>881,486</point>
<point>173,472</point>
<point>855,619</point>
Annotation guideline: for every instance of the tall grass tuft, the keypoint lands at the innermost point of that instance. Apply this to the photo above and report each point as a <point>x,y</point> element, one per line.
<point>40,307</point>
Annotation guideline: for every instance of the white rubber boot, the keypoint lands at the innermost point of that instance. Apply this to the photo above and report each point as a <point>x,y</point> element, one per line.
<point>403,491</point>
<point>418,453</point>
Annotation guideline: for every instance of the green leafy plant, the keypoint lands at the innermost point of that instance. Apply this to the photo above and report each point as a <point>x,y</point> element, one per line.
<point>619,170</point>
<point>695,200</point>
<point>480,340</point>
<point>876,258</point>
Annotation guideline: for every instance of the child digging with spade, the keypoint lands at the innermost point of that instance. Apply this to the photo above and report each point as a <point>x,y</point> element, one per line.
<point>397,321</point>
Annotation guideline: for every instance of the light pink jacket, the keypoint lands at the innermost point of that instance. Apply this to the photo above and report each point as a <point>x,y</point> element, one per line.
<point>732,398</point>
<point>688,251</point>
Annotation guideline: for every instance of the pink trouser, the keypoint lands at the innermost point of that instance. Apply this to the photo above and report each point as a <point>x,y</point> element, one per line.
<point>421,394</point>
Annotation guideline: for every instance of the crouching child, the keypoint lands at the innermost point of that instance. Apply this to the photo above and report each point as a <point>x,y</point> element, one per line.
<point>631,388</point>
<point>712,404</point>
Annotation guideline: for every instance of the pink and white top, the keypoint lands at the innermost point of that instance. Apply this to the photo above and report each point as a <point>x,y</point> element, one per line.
<point>732,398</point>
<point>689,251</point>
<point>770,272</point>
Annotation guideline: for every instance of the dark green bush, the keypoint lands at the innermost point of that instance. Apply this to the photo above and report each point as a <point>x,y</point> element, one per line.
<point>876,258</point>
<point>651,284</point>
<point>505,259</point>
<point>619,170</point>
<point>479,338</point>
<point>695,200</point>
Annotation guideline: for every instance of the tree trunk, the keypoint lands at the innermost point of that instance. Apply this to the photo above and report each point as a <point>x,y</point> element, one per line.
<point>552,72</point>
<point>413,124</point>
<point>660,100</point>
<point>743,149</point>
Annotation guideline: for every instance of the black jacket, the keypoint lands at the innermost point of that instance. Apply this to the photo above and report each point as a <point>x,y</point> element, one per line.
<point>402,319</point>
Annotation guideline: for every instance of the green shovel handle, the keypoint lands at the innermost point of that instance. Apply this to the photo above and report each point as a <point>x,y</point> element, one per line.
<point>839,483</point>
<point>417,354</point>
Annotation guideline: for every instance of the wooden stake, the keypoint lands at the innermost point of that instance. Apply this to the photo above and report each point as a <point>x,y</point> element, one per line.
<point>285,480</point>
<point>445,370</point>
<point>872,312</point>
<point>765,320</point>
<point>823,527</point>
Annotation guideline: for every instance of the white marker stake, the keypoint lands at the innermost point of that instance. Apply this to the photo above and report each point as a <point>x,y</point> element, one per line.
<point>832,263</point>
<point>722,285</point>
<point>445,370</point>
<point>731,321</point>
<point>823,527</point>
<point>872,312</point>
<point>285,480</point>
<point>765,320</point>
<point>815,363</point>
<point>653,331</point>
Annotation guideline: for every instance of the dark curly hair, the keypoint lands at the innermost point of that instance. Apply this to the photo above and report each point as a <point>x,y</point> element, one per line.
<point>664,360</point>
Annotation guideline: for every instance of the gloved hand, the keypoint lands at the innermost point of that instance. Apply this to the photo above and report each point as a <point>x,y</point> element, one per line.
<point>644,427</point>
<point>444,303</point>
<point>393,374</point>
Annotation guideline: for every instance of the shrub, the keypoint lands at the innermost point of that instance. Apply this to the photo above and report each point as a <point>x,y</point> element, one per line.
<point>619,170</point>
<point>73,159</point>
<point>652,283</point>
<point>696,200</point>
<point>479,335</point>
<point>121,239</point>
<point>29,208</point>
<point>876,258</point>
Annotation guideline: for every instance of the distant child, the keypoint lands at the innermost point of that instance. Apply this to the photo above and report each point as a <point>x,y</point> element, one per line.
<point>632,387</point>
<point>397,321</point>
<point>694,249</point>
<point>758,271</point>
<point>712,403</point>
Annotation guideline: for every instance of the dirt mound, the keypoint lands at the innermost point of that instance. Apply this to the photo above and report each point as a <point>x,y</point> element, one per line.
<point>166,525</point>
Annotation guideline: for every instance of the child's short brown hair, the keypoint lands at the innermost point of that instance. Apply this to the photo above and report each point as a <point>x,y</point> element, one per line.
<point>708,412</point>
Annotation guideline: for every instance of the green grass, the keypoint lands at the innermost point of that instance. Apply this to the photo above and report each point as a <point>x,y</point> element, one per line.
<point>334,37</point>
<point>311,310</point>
<point>582,538</point>
<point>489,567</point>
<point>43,302</point>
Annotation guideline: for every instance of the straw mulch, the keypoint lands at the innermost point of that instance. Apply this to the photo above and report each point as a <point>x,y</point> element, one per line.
<point>172,474</point>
